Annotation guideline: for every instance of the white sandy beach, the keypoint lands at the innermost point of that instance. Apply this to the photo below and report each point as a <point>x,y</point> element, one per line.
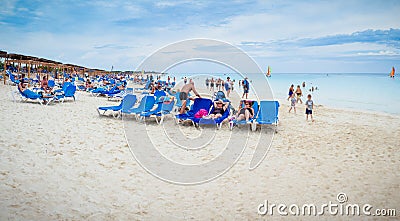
<point>64,162</point>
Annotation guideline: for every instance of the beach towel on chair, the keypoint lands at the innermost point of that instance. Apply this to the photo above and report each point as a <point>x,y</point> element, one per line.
<point>201,113</point>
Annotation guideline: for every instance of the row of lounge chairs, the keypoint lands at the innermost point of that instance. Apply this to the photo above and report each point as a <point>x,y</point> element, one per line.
<point>266,112</point>
<point>67,91</point>
<point>149,106</point>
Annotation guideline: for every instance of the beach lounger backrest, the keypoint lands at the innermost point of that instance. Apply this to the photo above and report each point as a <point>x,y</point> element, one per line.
<point>200,103</point>
<point>148,102</point>
<point>167,108</point>
<point>158,94</point>
<point>12,77</point>
<point>256,108</point>
<point>65,85</point>
<point>51,83</point>
<point>268,113</point>
<point>70,90</point>
<point>29,94</point>
<point>220,95</point>
<point>147,86</point>
<point>128,102</point>
<point>179,102</point>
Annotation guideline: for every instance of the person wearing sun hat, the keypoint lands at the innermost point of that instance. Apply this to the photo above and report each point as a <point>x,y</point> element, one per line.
<point>219,109</point>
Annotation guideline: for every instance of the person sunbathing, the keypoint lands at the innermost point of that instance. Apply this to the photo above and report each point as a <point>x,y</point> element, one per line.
<point>122,86</point>
<point>88,84</point>
<point>23,88</point>
<point>22,85</point>
<point>246,112</point>
<point>44,85</point>
<point>219,109</point>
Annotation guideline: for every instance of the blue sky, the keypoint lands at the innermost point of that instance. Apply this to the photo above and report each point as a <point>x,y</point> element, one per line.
<point>290,36</point>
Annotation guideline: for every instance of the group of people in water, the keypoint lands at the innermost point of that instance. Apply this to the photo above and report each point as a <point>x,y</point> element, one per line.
<point>227,85</point>
<point>220,85</point>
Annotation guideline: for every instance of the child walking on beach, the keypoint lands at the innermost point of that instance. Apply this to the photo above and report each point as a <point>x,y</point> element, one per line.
<point>309,107</point>
<point>293,102</point>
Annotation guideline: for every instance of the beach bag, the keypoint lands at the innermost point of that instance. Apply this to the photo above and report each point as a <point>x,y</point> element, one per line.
<point>201,113</point>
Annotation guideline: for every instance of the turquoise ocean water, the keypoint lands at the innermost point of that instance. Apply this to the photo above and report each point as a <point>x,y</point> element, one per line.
<point>370,92</point>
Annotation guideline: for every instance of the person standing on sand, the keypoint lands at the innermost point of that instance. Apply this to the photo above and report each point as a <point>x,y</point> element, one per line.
<point>218,84</point>
<point>309,107</point>
<point>291,91</point>
<point>184,94</point>
<point>212,84</point>
<point>246,86</point>
<point>227,86</point>
<point>299,93</point>
<point>293,102</point>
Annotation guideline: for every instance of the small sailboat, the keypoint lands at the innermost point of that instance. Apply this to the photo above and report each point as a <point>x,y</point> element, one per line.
<point>392,73</point>
<point>268,72</point>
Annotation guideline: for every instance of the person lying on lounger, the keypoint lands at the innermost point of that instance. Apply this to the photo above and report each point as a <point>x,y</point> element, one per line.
<point>246,112</point>
<point>23,85</point>
<point>122,86</point>
<point>23,88</point>
<point>219,109</point>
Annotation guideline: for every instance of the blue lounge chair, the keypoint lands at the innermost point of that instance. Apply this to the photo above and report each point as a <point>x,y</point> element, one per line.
<point>30,95</point>
<point>146,87</point>
<point>216,121</point>
<point>267,115</point>
<point>146,104</point>
<point>159,93</point>
<point>64,87</point>
<point>121,94</point>
<point>51,83</point>
<point>11,79</point>
<point>162,109</point>
<point>199,103</point>
<point>105,90</point>
<point>96,92</point>
<point>123,107</point>
<point>67,91</point>
<point>128,102</point>
<point>113,90</point>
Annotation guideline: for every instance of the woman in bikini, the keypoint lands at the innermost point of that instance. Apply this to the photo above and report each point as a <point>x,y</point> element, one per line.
<point>45,85</point>
<point>299,93</point>
<point>246,112</point>
<point>219,109</point>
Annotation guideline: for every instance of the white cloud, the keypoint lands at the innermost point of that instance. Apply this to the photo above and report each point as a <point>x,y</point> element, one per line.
<point>74,37</point>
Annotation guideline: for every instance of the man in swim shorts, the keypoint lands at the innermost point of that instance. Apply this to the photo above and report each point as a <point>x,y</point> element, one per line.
<point>184,94</point>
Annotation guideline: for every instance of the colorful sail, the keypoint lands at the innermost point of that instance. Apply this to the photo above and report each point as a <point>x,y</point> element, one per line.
<point>392,73</point>
<point>268,72</point>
